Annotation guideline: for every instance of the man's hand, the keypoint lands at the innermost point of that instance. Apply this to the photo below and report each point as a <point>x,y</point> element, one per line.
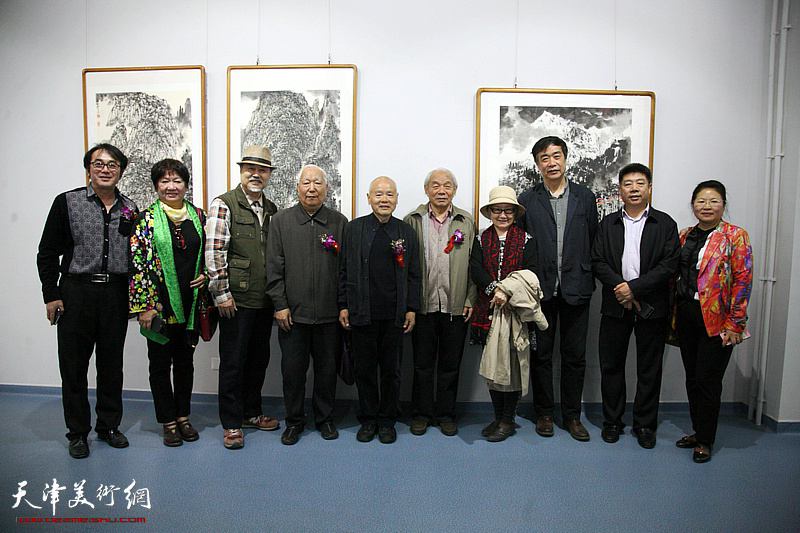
<point>227,308</point>
<point>344,318</point>
<point>284,318</point>
<point>623,293</point>
<point>467,313</point>
<point>51,310</point>
<point>146,318</point>
<point>408,324</point>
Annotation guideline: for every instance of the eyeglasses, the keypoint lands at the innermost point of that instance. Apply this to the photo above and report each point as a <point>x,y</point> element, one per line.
<point>180,241</point>
<point>501,210</point>
<point>111,165</point>
<point>702,201</point>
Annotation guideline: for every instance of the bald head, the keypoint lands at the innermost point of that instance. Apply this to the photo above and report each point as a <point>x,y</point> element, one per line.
<point>382,197</point>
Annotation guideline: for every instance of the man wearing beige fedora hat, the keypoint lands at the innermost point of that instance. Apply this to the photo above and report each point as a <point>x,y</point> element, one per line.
<point>235,253</point>
<point>563,216</point>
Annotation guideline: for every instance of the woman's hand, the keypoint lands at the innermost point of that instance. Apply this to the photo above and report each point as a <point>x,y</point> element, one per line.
<point>731,338</point>
<point>500,299</point>
<point>198,282</point>
<point>146,318</point>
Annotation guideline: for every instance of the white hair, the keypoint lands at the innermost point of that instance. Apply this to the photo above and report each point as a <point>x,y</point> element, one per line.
<point>322,171</point>
<point>443,170</point>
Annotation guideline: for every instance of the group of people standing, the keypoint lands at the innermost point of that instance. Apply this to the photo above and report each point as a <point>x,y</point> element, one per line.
<point>377,278</point>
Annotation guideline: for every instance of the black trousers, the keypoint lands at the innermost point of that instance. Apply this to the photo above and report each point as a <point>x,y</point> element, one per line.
<point>705,361</point>
<point>303,342</point>
<point>442,335</point>
<point>171,396</point>
<point>95,320</point>
<point>574,327</point>
<point>243,360</point>
<point>376,349</point>
<point>651,336</point>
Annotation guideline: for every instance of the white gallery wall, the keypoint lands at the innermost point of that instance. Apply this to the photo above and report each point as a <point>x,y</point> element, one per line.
<point>420,64</point>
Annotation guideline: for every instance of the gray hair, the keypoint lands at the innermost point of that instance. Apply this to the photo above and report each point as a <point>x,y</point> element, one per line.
<point>443,170</point>
<point>300,174</point>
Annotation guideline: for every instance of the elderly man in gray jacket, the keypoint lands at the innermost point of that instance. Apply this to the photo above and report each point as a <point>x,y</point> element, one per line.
<point>445,234</point>
<point>302,281</point>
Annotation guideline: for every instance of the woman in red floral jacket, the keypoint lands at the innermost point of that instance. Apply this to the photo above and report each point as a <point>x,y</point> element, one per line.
<point>712,292</point>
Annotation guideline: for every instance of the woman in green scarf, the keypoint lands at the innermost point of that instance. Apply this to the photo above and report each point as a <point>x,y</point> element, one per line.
<point>167,253</point>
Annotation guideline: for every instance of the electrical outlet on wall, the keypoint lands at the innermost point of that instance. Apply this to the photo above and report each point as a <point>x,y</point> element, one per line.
<point>215,363</point>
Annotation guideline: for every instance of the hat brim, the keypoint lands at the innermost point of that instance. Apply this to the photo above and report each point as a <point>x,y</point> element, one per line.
<point>260,162</point>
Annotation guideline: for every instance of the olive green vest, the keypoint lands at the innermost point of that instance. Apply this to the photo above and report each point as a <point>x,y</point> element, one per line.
<point>247,270</point>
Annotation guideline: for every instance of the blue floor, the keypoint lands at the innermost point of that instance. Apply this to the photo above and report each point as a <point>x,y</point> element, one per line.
<point>428,483</point>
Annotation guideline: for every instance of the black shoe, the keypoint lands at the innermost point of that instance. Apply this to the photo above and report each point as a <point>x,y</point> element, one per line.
<point>78,448</point>
<point>328,431</point>
<point>501,433</point>
<point>387,434</point>
<point>689,441</point>
<point>367,432</point>
<point>488,430</point>
<point>291,435</point>
<point>114,438</point>
<point>702,453</point>
<point>646,437</point>
<point>611,434</point>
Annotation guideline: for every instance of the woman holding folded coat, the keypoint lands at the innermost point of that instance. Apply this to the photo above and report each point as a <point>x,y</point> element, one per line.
<point>167,254</point>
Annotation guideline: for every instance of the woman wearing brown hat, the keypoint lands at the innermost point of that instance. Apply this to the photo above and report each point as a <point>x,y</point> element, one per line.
<point>499,250</point>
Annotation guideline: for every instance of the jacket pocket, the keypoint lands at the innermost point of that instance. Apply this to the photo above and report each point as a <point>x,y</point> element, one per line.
<point>239,273</point>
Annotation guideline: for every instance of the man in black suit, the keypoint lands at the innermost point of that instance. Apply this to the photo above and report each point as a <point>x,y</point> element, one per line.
<point>636,252</point>
<point>562,215</point>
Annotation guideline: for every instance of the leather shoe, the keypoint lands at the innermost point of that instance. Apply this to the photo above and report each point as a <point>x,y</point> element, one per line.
<point>78,448</point>
<point>577,430</point>
<point>501,433</point>
<point>689,441</point>
<point>367,432</point>
<point>328,431</point>
<point>646,437</point>
<point>291,435</point>
<point>448,428</point>
<point>611,434</point>
<point>488,430</point>
<point>702,453</point>
<point>171,437</point>
<point>114,438</point>
<point>187,432</point>
<point>387,434</point>
<point>544,426</point>
<point>419,427</point>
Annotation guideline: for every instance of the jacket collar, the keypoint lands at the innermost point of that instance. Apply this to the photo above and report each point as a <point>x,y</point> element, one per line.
<point>301,217</point>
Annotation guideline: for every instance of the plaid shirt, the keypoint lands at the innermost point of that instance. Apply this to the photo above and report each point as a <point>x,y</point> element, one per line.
<point>218,238</point>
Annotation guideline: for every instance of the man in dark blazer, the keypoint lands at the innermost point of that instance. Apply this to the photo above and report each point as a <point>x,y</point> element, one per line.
<point>379,294</point>
<point>635,254</point>
<point>562,215</point>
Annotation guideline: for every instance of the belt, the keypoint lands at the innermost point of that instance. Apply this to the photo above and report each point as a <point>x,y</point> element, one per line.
<point>99,278</point>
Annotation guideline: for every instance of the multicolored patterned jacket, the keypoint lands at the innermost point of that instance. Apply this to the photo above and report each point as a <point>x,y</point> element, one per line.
<point>725,279</point>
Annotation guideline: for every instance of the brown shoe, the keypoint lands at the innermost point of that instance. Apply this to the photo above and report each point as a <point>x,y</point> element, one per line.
<point>233,439</point>
<point>171,437</point>
<point>501,433</point>
<point>448,428</point>
<point>544,426</point>
<point>577,430</point>
<point>488,430</point>
<point>262,422</point>
<point>419,427</point>
<point>187,432</point>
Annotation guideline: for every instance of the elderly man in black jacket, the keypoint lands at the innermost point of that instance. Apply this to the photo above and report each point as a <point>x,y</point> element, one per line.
<point>302,270</point>
<point>635,254</point>
<point>379,284</point>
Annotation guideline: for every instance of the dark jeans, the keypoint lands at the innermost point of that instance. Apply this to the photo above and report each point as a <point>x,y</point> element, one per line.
<point>505,405</point>
<point>95,319</point>
<point>243,360</point>
<point>705,361</point>
<point>443,335</point>
<point>320,342</point>
<point>651,335</point>
<point>376,347</point>
<point>574,327</point>
<point>177,355</point>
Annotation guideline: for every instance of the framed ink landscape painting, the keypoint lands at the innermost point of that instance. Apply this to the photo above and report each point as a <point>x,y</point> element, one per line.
<point>305,114</point>
<point>604,131</point>
<point>150,113</point>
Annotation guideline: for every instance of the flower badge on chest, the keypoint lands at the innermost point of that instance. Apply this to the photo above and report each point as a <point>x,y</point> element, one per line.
<point>126,221</point>
<point>329,243</point>
<point>399,250</point>
<point>456,238</point>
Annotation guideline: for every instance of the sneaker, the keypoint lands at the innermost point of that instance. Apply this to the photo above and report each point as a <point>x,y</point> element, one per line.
<point>367,432</point>
<point>233,439</point>
<point>262,422</point>
<point>291,435</point>
<point>419,427</point>
<point>328,431</point>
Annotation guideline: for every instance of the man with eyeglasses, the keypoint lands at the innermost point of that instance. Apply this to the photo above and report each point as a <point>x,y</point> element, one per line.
<point>562,214</point>
<point>235,254</point>
<point>84,262</point>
